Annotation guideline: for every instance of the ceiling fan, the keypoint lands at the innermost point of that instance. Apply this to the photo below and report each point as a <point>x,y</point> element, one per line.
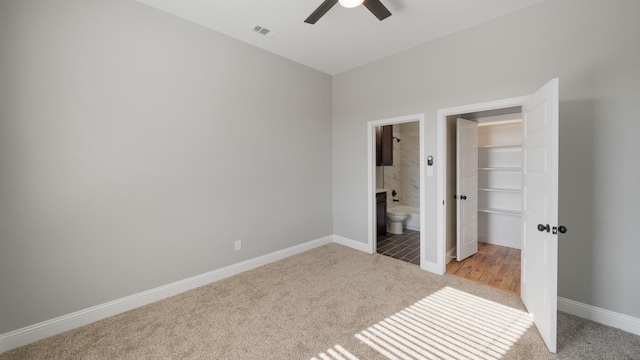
<point>375,6</point>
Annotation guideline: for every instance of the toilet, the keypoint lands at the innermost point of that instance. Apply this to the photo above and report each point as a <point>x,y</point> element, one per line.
<point>396,220</point>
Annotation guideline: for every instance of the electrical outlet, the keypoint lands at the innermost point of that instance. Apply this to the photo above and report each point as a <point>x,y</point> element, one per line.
<point>238,245</point>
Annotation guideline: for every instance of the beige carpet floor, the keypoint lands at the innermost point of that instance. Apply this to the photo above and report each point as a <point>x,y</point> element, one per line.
<point>328,303</point>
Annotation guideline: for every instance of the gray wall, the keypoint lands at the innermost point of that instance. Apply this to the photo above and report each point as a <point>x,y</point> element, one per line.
<point>593,47</point>
<point>135,147</point>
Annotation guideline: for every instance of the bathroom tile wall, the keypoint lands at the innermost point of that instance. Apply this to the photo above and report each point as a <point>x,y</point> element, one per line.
<point>391,174</point>
<point>410,163</point>
<point>404,175</point>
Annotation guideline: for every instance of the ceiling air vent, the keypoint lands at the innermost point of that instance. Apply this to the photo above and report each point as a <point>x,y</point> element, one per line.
<point>264,31</point>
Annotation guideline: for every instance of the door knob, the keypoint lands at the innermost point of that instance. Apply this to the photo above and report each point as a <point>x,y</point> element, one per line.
<point>562,229</point>
<point>463,197</point>
<point>543,228</point>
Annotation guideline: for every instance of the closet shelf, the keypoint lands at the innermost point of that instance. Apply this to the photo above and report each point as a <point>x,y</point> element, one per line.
<point>514,147</point>
<point>501,190</point>
<point>502,168</point>
<point>500,211</point>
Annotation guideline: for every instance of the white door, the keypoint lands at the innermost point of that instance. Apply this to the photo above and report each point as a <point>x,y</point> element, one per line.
<point>540,210</point>
<point>467,188</point>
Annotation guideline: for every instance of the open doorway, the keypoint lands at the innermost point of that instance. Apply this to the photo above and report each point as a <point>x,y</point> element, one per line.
<point>539,214</point>
<point>398,191</point>
<point>396,207</point>
<point>484,185</point>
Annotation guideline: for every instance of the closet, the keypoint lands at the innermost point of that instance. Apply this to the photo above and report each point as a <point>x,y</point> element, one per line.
<point>500,181</point>
<point>486,187</point>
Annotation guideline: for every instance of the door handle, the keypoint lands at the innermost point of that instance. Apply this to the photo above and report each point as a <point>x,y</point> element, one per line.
<point>560,228</point>
<point>463,197</point>
<point>543,228</point>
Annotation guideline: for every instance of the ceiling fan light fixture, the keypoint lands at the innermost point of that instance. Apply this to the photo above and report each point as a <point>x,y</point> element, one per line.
<point>375,6</point>
<point>350,3</point>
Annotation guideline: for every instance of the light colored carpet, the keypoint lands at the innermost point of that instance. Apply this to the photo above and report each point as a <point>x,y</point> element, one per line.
<point>332,303</point>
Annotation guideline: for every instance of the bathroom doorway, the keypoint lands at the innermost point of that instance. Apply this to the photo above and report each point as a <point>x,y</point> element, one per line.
<point>396,182</point>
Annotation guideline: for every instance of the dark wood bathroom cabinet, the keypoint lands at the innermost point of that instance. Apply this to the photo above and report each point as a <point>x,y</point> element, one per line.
<point>384,145</point>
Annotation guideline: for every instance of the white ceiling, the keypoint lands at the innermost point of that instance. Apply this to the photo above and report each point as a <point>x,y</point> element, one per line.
<point>344,38</point>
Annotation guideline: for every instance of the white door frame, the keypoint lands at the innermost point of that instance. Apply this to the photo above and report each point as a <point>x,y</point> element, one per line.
<point>371,189</point>
<point>441,251</point>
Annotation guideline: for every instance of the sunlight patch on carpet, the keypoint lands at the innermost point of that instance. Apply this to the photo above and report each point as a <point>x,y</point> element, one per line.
<point>448,324</point>
<point>335,353</point>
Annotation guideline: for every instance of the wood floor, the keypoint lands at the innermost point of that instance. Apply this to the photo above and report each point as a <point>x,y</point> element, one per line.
<point>493,265</point>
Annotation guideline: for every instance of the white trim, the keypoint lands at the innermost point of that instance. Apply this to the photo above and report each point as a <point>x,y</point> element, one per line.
<point>599,315</point>
<point>603,316</point>
<point>430,266</point>
<point>441,256</point>
<point>441,166</point>
<point>364,247</point>
<point>31,333</point>
<point>451,254</point>
<point>371,185</point>
<point>371,182</point>
<point>499,119</point>
<point>424,265</point>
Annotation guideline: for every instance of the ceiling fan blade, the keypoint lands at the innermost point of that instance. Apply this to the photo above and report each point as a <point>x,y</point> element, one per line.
<point>376,7</point>
<point>320,11</point>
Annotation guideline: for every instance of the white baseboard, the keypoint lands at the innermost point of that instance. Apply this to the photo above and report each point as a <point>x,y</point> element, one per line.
<point>431,267</point>
<point>451,255</point>
<point>603,316</point>
<point>32,333</point>
<point>434,267</point>
<point>599,315</point>
<point>364,247</point>
<point>357,245</point>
